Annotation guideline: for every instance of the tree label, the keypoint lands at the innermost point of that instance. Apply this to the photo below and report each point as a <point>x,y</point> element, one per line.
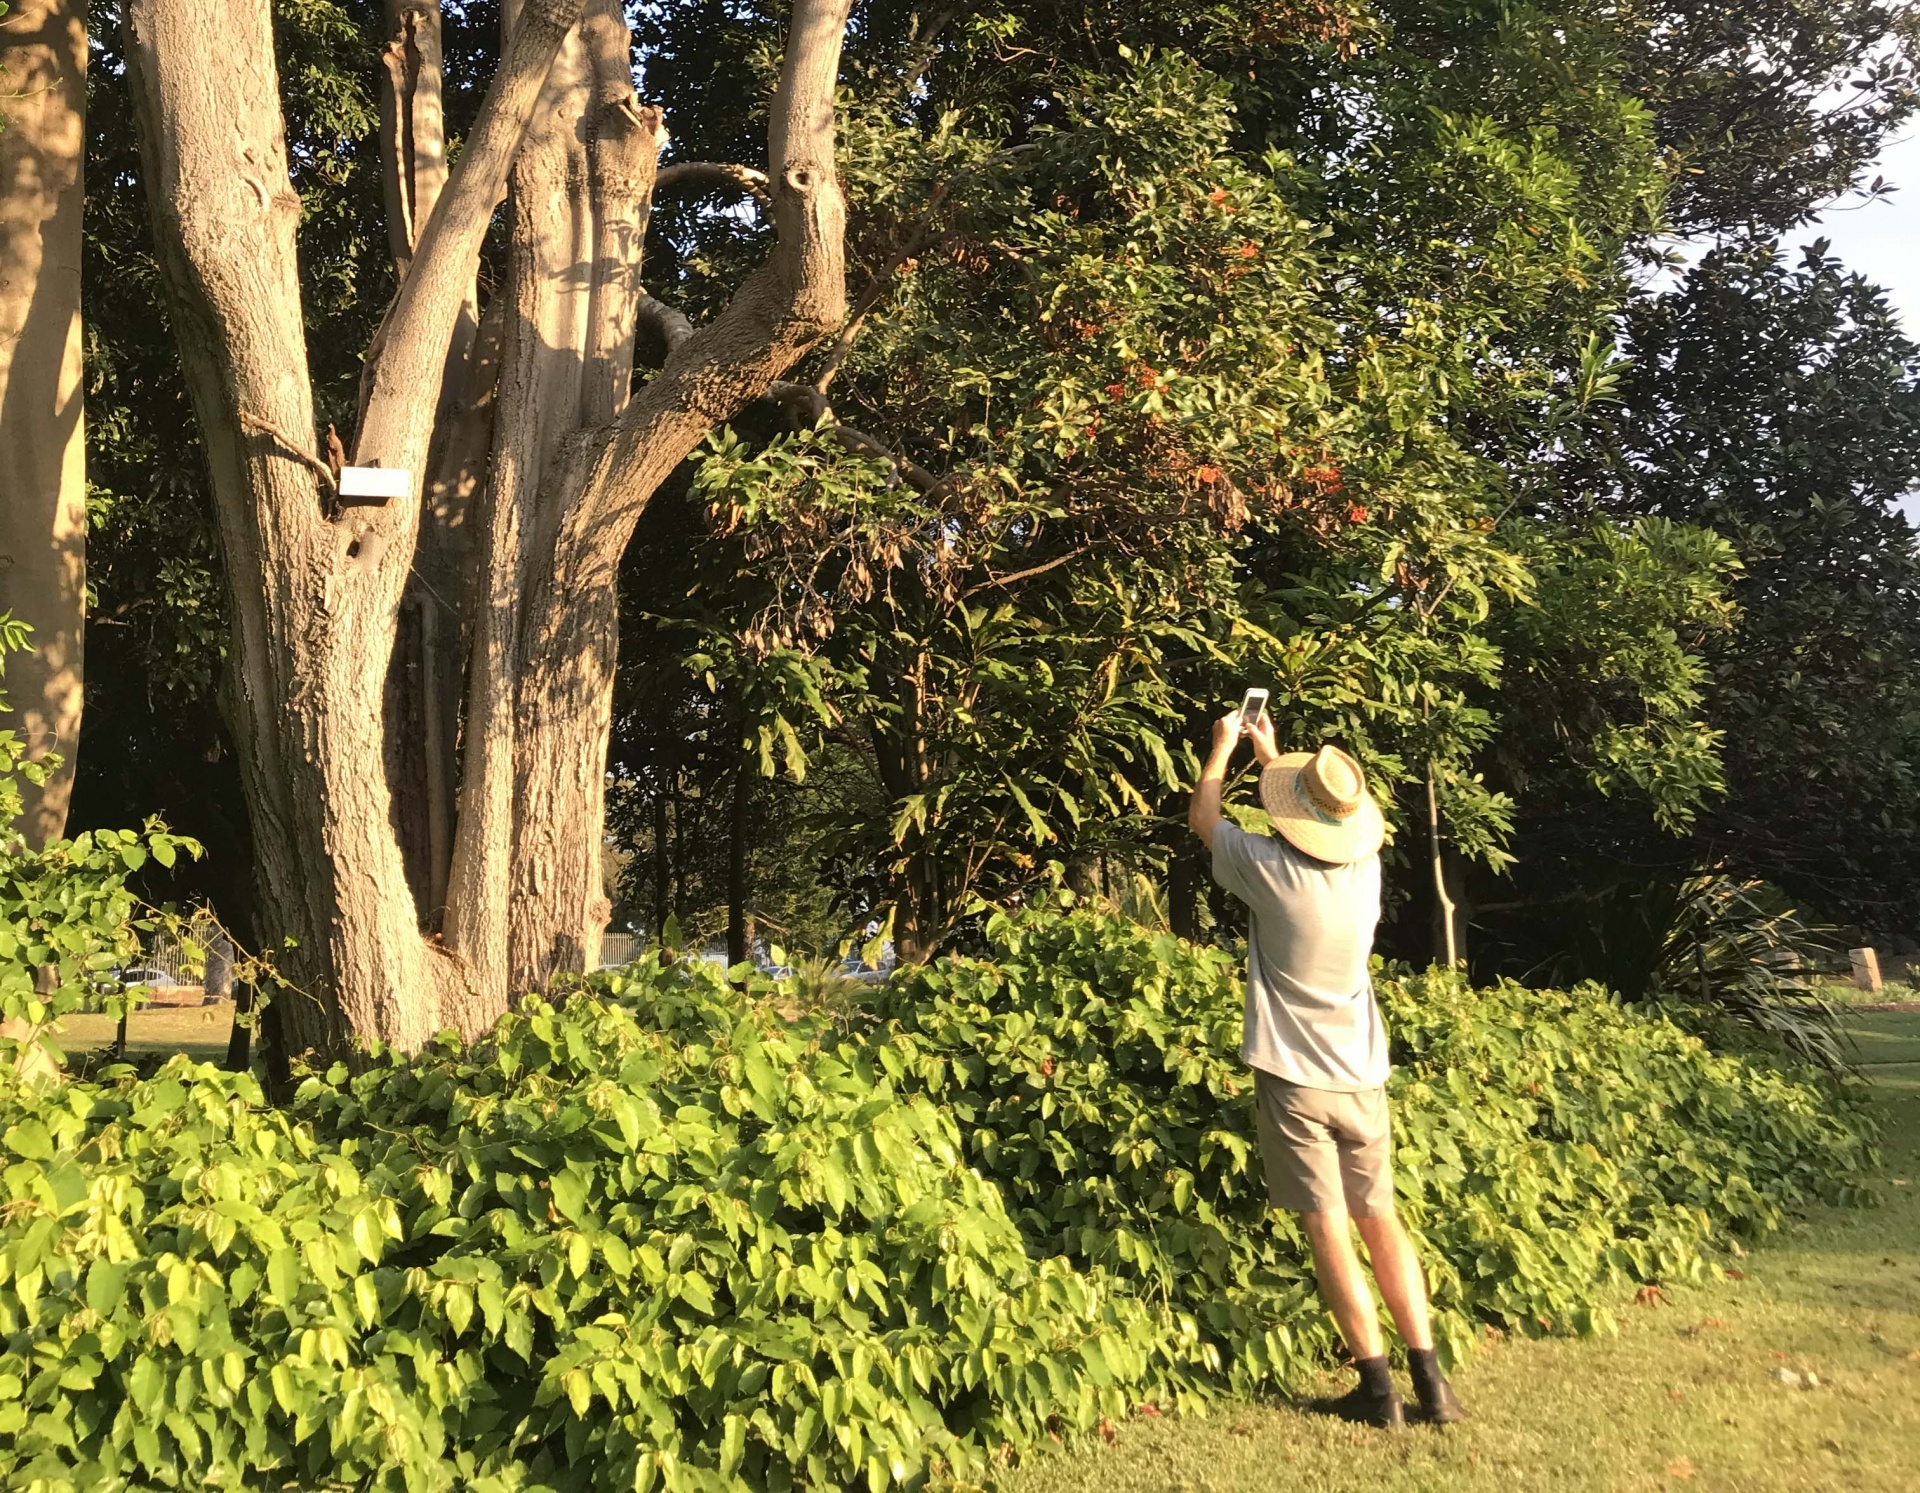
<point>374,484</point>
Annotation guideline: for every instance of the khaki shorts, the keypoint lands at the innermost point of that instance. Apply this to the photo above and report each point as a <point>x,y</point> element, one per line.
<point>1325,1150</point>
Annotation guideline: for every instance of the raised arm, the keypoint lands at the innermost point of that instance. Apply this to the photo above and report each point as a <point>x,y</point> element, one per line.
<point>1203,812</point>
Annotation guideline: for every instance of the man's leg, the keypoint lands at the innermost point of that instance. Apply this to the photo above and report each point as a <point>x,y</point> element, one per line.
<point>1344,1289</point>
<point>1303,1176</point>
<point>1404,1285</point>
<point>1342,1284</point>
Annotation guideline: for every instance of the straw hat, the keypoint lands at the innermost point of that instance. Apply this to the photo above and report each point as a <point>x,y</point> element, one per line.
<point>1319,801</point>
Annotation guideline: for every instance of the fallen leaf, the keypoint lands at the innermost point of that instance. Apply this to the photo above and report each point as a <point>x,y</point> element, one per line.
<point>1680,1467</point>
<point>1151,1412</point>
<point>1705,1324</point>
<point>1241,1430</point>
<point>1107,1432</point>
<point>1649,1296</point>
<point>1736,1275</point>
<point>1674,1394</point>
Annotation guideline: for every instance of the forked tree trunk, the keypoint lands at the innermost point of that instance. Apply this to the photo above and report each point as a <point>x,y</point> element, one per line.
<point>570,623</point>
<point>318,588</point>
<point>315,588</point>
<point>43,490</point>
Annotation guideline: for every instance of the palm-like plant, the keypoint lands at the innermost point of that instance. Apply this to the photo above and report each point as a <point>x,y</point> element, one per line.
<point>1740,950</point>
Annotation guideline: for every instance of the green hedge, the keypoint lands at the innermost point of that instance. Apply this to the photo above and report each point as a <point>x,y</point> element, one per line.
<point>1549,1146</point>
<point>662,1238</point>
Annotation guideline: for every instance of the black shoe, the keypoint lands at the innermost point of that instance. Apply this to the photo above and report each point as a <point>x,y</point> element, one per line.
<point>1363,1407</point>
<point>1441,1407</point>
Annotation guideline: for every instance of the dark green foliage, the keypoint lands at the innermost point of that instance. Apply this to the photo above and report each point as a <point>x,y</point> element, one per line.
<point>659,1238</point>
<point>1779,404</point>
<point>1769,108</point>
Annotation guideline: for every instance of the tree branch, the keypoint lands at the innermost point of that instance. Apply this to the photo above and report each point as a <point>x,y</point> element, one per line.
<point>623,155</point>
<point>405,387</point>
<point>712,174</point>
<point>994,581</point>
<point>814,408</point>
<point>293,448</point>
<point>877,286</point>
<point>669,323</point>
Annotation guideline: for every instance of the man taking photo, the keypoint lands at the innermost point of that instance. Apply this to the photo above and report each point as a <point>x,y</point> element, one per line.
<point>1314,1039</point>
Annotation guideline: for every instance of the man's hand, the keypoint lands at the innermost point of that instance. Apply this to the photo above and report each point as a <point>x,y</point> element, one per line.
<point>1226,734</point>
<point>1260,733</point>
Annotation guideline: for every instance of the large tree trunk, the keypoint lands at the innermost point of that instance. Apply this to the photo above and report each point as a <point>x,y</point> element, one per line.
<point>570,622</point>
<point>315,588</point>
<point>318,587</point>
<point>423,685</point>
<point>550,237</point>
<point>43,492</point>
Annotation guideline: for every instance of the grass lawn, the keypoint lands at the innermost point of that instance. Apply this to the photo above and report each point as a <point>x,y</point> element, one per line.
<point>200,1032</point>
<point>1684,1397</point>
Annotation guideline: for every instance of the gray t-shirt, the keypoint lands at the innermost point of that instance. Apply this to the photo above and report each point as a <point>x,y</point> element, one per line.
<point>1311,1016</point>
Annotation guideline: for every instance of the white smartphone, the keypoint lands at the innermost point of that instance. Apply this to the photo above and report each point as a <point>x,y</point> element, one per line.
<point>1252,708</point>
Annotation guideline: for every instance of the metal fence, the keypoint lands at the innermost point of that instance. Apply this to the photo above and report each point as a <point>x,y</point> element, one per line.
<point>170,959</point>
<point>619,948</point>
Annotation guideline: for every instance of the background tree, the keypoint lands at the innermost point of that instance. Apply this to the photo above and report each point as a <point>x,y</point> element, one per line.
<point>43,519</point>
<point>1770,108</point>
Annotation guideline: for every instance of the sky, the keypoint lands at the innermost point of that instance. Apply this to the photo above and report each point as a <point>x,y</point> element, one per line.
<point>1881,239</point>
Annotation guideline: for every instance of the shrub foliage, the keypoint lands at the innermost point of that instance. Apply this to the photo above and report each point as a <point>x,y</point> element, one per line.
<point>663,1237</point>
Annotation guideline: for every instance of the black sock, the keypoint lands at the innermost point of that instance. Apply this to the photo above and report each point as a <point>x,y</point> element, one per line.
<point>1375,1376</point>
<point>1424,1365</point>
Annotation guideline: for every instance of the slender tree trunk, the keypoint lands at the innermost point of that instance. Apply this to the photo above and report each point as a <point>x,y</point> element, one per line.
<point>1446,942</point>
<point>737,889</point>
<point>43,517</point>
<point>679,851</point>
<point>662,863</point>
<point>1183,895</point>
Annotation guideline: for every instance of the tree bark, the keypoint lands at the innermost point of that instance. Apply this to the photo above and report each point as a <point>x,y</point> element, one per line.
<point>1446,925</point>
<point>413,125</point>
<point>570,625</point>
<point>43,516</point>
<point>662,864</point>
<point>550,235</point>
<point>314,592</point>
